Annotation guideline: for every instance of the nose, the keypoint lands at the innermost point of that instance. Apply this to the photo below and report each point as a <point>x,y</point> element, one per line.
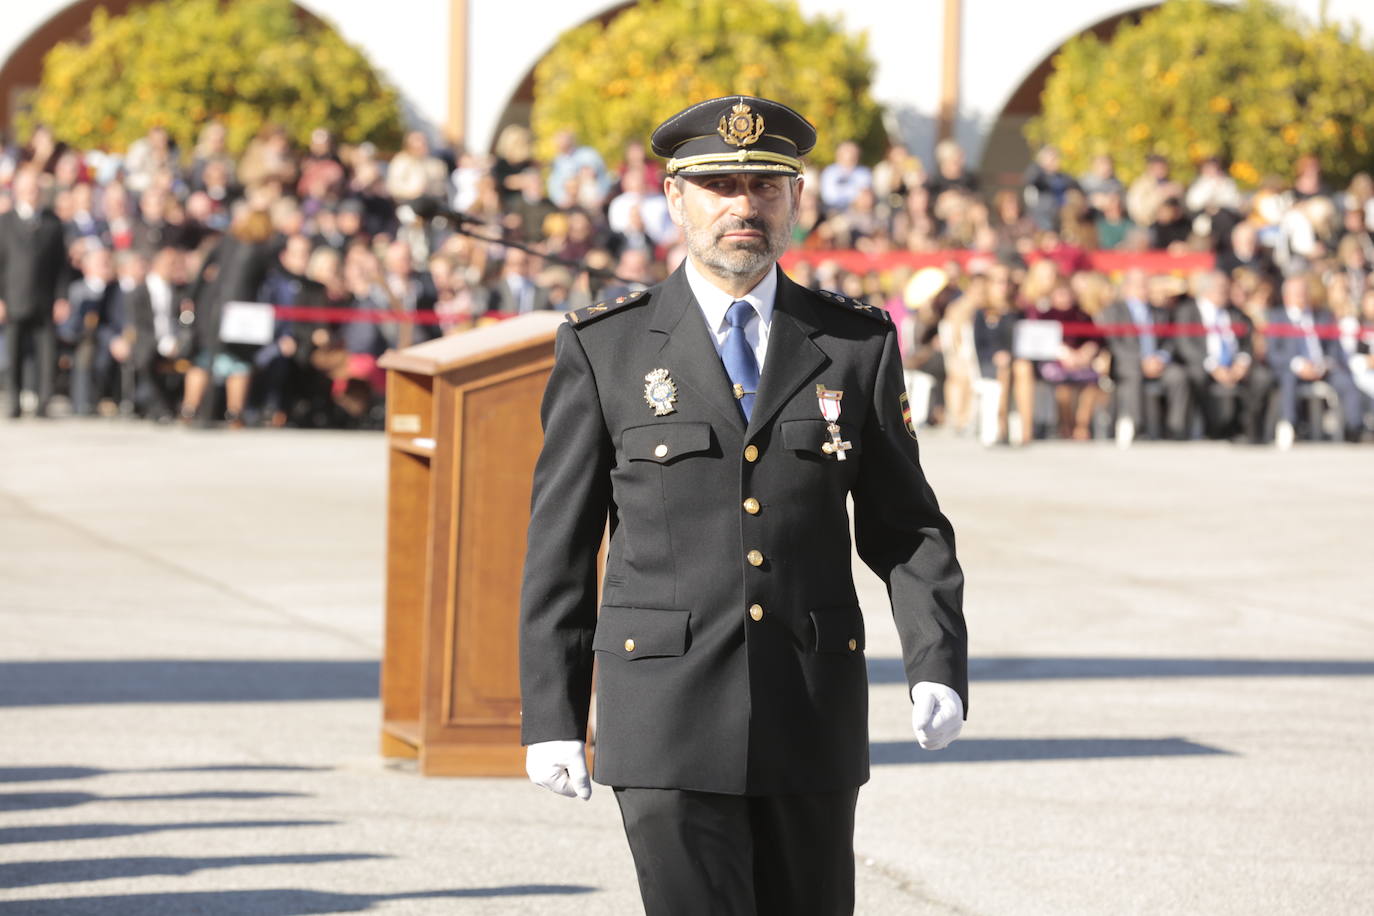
<point>742,205</point>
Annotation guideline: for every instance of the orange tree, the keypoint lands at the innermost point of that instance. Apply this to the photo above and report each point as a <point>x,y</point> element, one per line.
<point>180,63</point>
<point>614,83</point>
<point>1252,84</point>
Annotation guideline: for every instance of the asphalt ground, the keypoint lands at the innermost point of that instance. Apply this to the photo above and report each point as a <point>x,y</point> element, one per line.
<point>1173,676</point>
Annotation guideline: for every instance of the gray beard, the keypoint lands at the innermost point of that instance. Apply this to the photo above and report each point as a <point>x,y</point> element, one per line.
<point>742,261</point>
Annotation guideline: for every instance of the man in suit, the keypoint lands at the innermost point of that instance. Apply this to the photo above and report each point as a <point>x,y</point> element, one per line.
<point>411,291</point>
<point>95,321</point>
<point>33,281</point>
<point>1303,350</point>
<point>1143,364</point>
<point>1217,355</point>
<point>159,339</point>
<point>719,422</point>
<point>516,291</point>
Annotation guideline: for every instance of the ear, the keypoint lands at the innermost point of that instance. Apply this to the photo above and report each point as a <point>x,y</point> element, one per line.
<point>672,190</point>
<point>798,185</point>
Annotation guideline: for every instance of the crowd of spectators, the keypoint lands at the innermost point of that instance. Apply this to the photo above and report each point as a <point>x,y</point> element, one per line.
<point>115,271</point>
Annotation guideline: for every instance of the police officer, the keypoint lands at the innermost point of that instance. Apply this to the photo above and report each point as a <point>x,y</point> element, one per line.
<point>718,423</point>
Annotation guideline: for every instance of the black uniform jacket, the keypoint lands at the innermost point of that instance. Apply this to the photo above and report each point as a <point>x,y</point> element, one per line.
<point>719,671</point>
<point>33,265</point>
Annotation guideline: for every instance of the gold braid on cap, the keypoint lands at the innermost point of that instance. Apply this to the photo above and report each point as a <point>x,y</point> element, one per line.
<point>757,160</point>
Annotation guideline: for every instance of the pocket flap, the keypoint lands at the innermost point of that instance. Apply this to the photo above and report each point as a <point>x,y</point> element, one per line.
<point>633,632</point>
<point>838,629</point>
<point>664,442</point>
<point>810,435</point>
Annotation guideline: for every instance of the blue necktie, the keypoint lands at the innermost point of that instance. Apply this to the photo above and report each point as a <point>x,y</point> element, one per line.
<point>738,356</point>
<point>1225,354</point>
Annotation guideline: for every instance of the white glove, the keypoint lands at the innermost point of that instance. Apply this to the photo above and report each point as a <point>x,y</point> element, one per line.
<point>559,766</point>
<point>937,716</point>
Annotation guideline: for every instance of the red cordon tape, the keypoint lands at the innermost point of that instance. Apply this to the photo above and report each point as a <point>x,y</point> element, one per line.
<point>1088,329</point>
<point>1071,328</point>
<point>335,315</point>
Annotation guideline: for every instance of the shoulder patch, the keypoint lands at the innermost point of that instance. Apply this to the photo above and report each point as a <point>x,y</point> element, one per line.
<point>601,309</point>
<point>875,312</point>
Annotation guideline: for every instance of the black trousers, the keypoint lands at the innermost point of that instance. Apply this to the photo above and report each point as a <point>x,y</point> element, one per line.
<point>30,336</point>
<point>702,854</point>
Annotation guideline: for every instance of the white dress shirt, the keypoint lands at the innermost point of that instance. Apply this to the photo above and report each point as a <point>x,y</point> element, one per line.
<point>715,302</point>
<point>1219,331</point>
<point>160,297</point>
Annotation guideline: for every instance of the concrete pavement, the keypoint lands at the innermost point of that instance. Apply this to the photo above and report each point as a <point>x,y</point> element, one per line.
<point>1174,663</point>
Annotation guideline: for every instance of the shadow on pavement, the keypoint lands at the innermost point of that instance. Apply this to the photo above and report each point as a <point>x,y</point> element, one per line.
<point>890,671</point>
<point>55,833</point>
<point>995,750</point>
<point>64,683</point>
<point>70,871</point>
<point>268,902</point>
<point>35,801</point>
<point>64,773</point>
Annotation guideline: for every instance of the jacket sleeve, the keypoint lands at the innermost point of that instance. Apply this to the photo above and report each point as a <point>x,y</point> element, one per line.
<point>903,537</point>
<point>568,514</point>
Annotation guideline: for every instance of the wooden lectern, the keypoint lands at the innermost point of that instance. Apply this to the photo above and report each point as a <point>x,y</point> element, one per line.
<point>463,435</point>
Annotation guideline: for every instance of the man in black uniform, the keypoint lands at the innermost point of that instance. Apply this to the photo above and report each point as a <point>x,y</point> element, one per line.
<point>719,422</point>
<point>33,278</point>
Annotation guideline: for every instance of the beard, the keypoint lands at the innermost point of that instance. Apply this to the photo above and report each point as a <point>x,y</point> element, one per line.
<point>738,258</point>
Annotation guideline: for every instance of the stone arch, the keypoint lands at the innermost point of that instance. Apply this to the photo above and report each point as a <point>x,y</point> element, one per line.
<point>521,100</point>
<point>21,72</point>
<point>1005,151</point>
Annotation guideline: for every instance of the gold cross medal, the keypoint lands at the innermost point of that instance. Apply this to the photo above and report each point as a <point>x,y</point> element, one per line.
<point>660,392</point>
<point>830,410</point>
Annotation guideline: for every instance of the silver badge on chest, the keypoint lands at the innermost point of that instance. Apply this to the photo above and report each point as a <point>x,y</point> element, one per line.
<point>660,392</point>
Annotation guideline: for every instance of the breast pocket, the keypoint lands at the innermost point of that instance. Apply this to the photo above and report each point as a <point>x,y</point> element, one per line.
<point>666,443</point>
<point>812,437</point>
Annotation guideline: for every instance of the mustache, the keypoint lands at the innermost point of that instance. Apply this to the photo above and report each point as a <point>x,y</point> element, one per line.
<point>738,225</point>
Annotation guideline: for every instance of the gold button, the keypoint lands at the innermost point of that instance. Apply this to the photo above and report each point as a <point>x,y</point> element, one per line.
<point>755,558</point>
<point>756,611</point>
<point>751,505</point>
<point>751,453</point>
<point>853,644</point>
<point>630,645</point>
<point>661,450</point>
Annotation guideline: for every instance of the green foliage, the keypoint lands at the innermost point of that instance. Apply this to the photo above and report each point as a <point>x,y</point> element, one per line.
<point>615,83</point>
<point>180,63</point>
<point>1252,84</point>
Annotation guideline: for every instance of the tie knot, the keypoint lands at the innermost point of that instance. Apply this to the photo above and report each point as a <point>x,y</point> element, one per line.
<point>739,313</point>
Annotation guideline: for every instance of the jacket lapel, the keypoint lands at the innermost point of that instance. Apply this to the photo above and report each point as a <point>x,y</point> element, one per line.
<point>687,351</point>
<point>792,358</point>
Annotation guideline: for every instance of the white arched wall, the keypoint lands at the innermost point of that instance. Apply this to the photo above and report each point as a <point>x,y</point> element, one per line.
<point>407,40</point>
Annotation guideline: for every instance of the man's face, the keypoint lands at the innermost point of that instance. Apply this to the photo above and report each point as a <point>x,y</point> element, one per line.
<point>1217,288</point>
<point>26,188</point>
<point>1295,292</point>
<point>736,225</point>
<point>295,257</point>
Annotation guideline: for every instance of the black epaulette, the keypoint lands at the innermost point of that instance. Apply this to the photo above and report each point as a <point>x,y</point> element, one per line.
<point>877,313</point>
<point>602,309</point>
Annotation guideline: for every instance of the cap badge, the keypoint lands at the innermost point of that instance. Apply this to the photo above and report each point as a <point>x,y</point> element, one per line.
<point>660,392</point>
<point>741,127</point>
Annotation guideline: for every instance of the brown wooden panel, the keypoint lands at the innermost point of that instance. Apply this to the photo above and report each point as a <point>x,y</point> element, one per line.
<point>499,438</point>
<point>504,759</point>
<point>409,405</point>
<point>406,535</point>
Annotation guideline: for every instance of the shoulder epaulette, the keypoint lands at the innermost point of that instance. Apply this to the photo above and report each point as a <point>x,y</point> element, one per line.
<point>877,313</point>
<point>602,309</point>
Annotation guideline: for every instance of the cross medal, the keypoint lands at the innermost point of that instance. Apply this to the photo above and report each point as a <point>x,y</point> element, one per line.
<point>830,409</point>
